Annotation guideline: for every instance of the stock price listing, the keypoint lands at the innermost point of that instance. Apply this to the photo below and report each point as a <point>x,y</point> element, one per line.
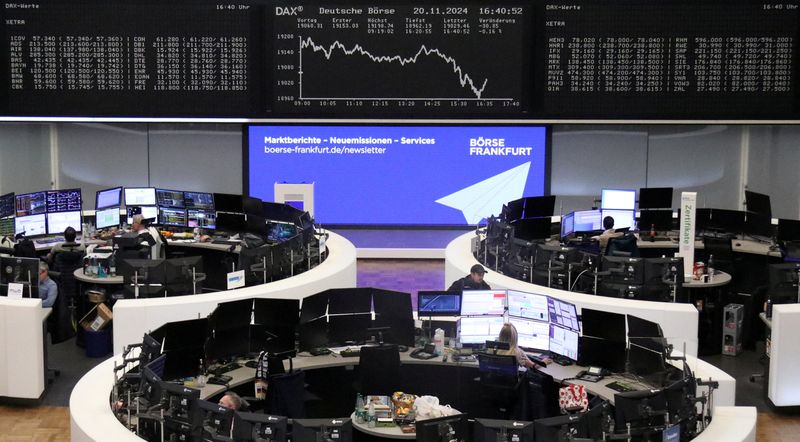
<point>421,60</point>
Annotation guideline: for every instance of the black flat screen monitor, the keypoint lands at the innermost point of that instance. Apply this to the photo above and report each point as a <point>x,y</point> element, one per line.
<point>788,230</point>
<point>758,224</point>
<point>108,217</point>
<point>183,363</point>
<point>198,200</point>
<point>349,300</point>
<point>655,198</point>
<point>140,196</point>
<point>280,212</point>
<point>624,270</point>
<point>279,232</point>
<point>531,229</point>
<point>595,352</point>
<point>392,303</point>
<point>642,328</point>
<point>228,342</point>
<point>316,430</point>
<point>256,225</point>
<point>231,222</point>
<point>560,428</point>
<point>218,419</point>
<point>204,219</point>
<point>515,210</point>
<point>659,270</point>
<point>277,311</point>
<point>21,271</point>
<point>183,270</point>
<point>644,361</point>
<point>31,203</point>
<point>229,203</point>
<point>447,428</point>
<point>108,198</point>
<point>251,205</point>
<point>189,334</point>
<point>170,198</point>
<point>494,430</point>
<point>438,303</point>
<point>660,220</point>
<point>149,271</point>
<point>232,314</point>
<point>7,205</point>
<point>313,334</point>
<point>260,427</point>
<point>731,221</point>
<point>314,306</point>
<point>758,203</point>
<point>637,408</point>
<point>567,225</point>
<point>702,219</point>
<point>170,216</point>
<point>401,330</point>
<point>65,200</point>
<point>345,329</point>
<point>604,325</point>
<point>57,222</point>
<point>539,206</point>
<point>783,282</point>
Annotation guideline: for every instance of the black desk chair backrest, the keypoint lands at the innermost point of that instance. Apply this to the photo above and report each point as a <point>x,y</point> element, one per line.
<point>499,383</point>
<point>285,394</point>
<point>379,370</point>
<point>623,246</point>
<point>722,250</point>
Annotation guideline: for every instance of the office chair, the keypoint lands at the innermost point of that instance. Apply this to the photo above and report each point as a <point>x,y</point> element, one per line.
<point>499,382</point>
<point>285,394</point>
<point>379,370</point>
<point>623,246</point>
<point>66,262</point>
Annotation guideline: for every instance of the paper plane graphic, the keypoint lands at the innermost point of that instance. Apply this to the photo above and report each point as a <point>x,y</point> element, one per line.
<point>487,197</point>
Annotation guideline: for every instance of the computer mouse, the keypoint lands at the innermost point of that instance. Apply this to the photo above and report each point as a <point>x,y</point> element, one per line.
<point>402,348</point>
<point>738,244</point>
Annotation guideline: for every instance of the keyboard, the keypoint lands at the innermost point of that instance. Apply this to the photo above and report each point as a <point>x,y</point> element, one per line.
<point>561,360</point>
<point>227,242</point>
<point>226,368</point>
<point>621,387</point>
<point>50,240</point>
<point>219,380</point>
<point>350,353</point>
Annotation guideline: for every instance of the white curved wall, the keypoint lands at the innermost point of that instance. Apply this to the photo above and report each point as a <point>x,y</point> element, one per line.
<point>678,321</point>
<point>134,317</point>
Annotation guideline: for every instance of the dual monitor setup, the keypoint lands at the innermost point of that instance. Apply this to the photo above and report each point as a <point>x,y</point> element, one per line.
<point>40,213</point>
<point>543,323</point>
<point>175,208</point>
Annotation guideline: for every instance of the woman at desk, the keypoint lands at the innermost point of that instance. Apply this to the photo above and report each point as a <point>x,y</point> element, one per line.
<point>509,334</point>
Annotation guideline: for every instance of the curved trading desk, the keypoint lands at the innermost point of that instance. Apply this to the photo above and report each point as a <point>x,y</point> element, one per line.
<point>678,321</point>
<point>92,418</point>
<point>134,317</point>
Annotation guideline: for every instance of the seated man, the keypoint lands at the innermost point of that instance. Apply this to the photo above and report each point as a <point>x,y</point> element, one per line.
<point>473,281</point>
<point>608,225</point>
<point>69,244</point>
<point>48,290</point>
<point>233,401</point>
<point>149,235</point>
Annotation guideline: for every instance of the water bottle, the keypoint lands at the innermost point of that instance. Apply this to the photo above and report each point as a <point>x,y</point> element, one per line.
<point>710,268</point>
<point>371,415</point>
<point>359,414</point>
<point>200,380</point>
<point>112,261</point>
<point>652,232</point>
<point>438,341</point>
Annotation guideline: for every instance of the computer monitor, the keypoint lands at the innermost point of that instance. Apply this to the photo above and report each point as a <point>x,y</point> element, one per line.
<point>149,271</point>
<point>624,269</point>
<point>170,198</point>
<point>7,205</point>
<point>567,225</point>
<point>66,200</point>
<point>604,325</point>
<point>338,429</point>
<point>562,428</point>
<point>661,220</point>
<point>31,203</point>
<point>57,222</point>
<point>280,212</point>
<point>644,361</point>
<point>758,203</point>
<point>188,334</point>
<point>217,419</point>
<point>31,225</point>
<point>587,221</point>
<point>483,302</point>
<point>758,224</point>
<point>400,330</point>
<point>528,305</point>
<point>597,352</point>
<point>640,409</point>
<point>199,200</point>
<point>538,206</point>
<point>108,198</point>
<point>515,210</point>
<point>7,226</point>
<point>181,275</point>
<point>228,343</point>
<point>620,199</point>
<point>231,314</point>
<point>392,303</point>
<point>727,220</point>
<point>252,205</point>
<point>783,282</point>
<point>475,331</point>
<point>140,196</point>
<point>454,428</point>
<point>531,229</point>
<point>493,430</point>
<point>349,300</point>
<point>655,198</point>
<point>147,212</point>
<point>279,318</point>
<point>659,270</point>
<point>314,306</point>
<point>229,203</point>
<point>169,216</point>
<point>204,219</point>
<point>260,427</point>
<point>348,328</point>
<point>702,219</point>
<point>623,219</point>
<point>564,342</point>
<point>231,222</point>
<point>642,328</point>
<point>22,271</point>
<point>438,303</point>
<point>563,313</point>
<point>533,335</point>
<point>105,218</point>
<point>313,334</point>
<point>788,230</point>
<point>279,232</point>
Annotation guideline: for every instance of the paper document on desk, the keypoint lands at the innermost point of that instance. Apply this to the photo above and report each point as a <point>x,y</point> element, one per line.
<point>15,290</point>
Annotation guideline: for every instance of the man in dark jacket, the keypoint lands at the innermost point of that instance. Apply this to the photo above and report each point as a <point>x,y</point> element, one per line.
<point>473,281</point>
